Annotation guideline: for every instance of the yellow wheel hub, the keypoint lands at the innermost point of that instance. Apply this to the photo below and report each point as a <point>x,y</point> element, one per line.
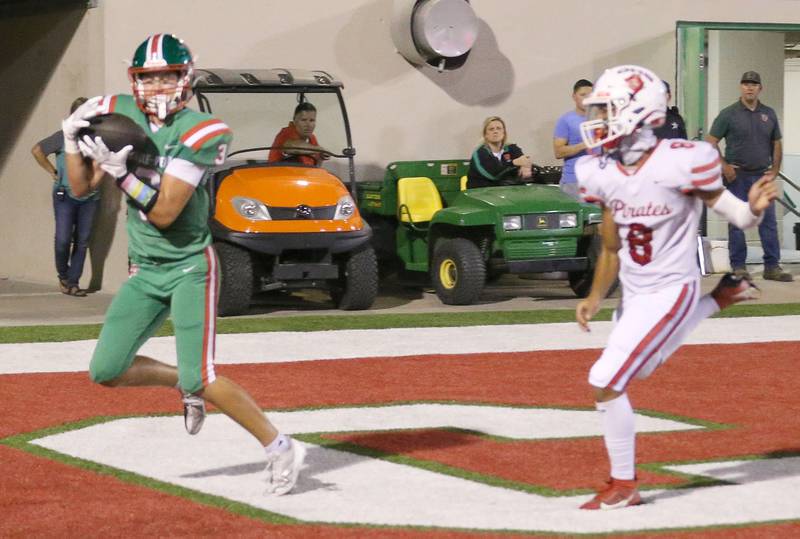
<point>448,274</point>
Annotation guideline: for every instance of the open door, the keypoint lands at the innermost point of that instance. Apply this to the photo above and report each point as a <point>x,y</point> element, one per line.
<point>710,59</point>
<point>691,84</point>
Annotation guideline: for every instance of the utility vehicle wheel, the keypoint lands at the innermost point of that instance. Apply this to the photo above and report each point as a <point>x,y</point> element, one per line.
<point>358,282</point>
<point>581,281</point>
<point>458,271</point>
<point>236,288</point>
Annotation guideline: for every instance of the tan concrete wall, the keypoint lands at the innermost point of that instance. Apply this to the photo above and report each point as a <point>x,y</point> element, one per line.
<point>48,58</point>
<point>527,56</point>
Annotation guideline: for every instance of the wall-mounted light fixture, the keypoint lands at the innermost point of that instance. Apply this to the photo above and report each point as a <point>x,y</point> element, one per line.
<point>437,33</point>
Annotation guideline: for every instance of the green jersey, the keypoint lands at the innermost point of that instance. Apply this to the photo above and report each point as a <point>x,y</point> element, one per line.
<point>188,135</point>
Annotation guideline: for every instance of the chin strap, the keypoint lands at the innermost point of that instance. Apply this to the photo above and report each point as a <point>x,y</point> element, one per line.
<point>632,147</point>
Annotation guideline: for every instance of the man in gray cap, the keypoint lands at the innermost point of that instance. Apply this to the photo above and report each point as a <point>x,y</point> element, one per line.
<point>753,149</point>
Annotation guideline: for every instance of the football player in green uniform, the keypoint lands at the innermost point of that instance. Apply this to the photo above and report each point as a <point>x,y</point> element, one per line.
<point>173,267</point>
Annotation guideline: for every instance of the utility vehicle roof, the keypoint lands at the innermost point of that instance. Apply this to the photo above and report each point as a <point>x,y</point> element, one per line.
<point>220,78</point>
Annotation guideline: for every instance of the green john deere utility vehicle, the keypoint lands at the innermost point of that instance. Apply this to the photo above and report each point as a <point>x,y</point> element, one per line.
<point>425,220</point>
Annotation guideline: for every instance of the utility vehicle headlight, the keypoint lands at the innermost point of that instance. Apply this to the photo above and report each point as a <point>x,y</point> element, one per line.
<point>250,208</point>
<point>512,222</point>
<point>345,208</point>
<point>567,220</point>
<point>594,218</point>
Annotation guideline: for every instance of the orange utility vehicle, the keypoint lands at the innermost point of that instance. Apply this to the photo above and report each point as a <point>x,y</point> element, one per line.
<point>289,223</point>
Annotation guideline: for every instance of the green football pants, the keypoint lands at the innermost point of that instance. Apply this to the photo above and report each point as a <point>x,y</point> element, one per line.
<point>187,290</point>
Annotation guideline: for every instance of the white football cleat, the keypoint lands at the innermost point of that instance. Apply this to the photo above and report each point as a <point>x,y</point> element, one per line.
<point>284,467</point>
<point>194,412</point>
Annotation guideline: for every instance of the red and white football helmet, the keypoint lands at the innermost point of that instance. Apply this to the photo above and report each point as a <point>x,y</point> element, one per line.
<point>624,99</point>
<point>162,53</point>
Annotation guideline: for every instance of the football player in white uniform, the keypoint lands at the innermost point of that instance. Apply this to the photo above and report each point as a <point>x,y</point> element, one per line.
<point>652,194</point>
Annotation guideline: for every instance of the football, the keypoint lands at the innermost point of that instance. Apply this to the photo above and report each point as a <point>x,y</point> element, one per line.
<point>117,131</point>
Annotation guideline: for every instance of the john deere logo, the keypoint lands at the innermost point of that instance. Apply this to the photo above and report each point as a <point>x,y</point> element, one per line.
<point>303,212</point>
<point>541,222</point>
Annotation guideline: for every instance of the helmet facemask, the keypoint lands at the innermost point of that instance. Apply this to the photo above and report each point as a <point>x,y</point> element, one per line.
<point>161,100</point>
<point>603,127</point>
<point>627,103</point>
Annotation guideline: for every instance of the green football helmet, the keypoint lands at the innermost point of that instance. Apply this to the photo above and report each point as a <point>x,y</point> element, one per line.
<point>164,54</point>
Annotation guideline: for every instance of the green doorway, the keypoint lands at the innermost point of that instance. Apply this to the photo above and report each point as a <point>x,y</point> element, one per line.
<point>695,58</point>
<point>711,57</point>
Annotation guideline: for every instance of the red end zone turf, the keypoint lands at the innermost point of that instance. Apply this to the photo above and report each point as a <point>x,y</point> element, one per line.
<point>749,388</point>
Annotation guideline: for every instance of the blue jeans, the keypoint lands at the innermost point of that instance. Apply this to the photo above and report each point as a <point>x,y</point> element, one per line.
<point>570,189</point>
<point>73,226</point>
<point>767,230</point>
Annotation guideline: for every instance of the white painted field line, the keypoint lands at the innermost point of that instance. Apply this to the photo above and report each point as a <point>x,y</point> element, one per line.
<point>289,346</point>
<point>337,486</point>
<point>29,294</point>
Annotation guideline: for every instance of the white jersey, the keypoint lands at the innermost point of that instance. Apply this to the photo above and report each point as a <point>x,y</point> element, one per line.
<point>654,209</point>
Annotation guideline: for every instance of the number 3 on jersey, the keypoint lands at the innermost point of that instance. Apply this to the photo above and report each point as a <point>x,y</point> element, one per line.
<point>639,239</point>
<point>222,151</point>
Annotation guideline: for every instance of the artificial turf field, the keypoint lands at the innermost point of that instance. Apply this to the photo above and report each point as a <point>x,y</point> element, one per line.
<point>513,449</point>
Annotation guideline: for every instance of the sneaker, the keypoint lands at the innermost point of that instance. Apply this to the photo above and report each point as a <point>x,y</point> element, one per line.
<point>777,274</point>
<point>615,495</point>
<point>742,272</point>
<point>734,288</point>
<point>284,467</point>
<point>194,412</point>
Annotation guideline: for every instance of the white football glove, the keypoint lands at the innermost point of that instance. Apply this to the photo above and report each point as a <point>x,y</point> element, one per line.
<point>78,119</point>
<point>112,162</point>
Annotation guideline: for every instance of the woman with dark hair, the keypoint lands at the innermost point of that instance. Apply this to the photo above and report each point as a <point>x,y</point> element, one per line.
<point>494,162</point>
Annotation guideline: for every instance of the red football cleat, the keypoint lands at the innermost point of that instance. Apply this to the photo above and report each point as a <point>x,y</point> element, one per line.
<point>616,495</point>
<point>733,288</point>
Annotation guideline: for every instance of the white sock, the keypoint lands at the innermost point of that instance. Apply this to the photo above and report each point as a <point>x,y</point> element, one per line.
<point>706,306</point>
<point>278,445</point>
<point>619,433</point>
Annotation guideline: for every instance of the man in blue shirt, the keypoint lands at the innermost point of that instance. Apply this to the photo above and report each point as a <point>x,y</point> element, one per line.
<point>567,142</point>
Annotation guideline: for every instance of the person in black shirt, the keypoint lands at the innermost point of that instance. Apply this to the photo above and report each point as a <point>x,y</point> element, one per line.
<point>494,162</point>
<point>674,126</point>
